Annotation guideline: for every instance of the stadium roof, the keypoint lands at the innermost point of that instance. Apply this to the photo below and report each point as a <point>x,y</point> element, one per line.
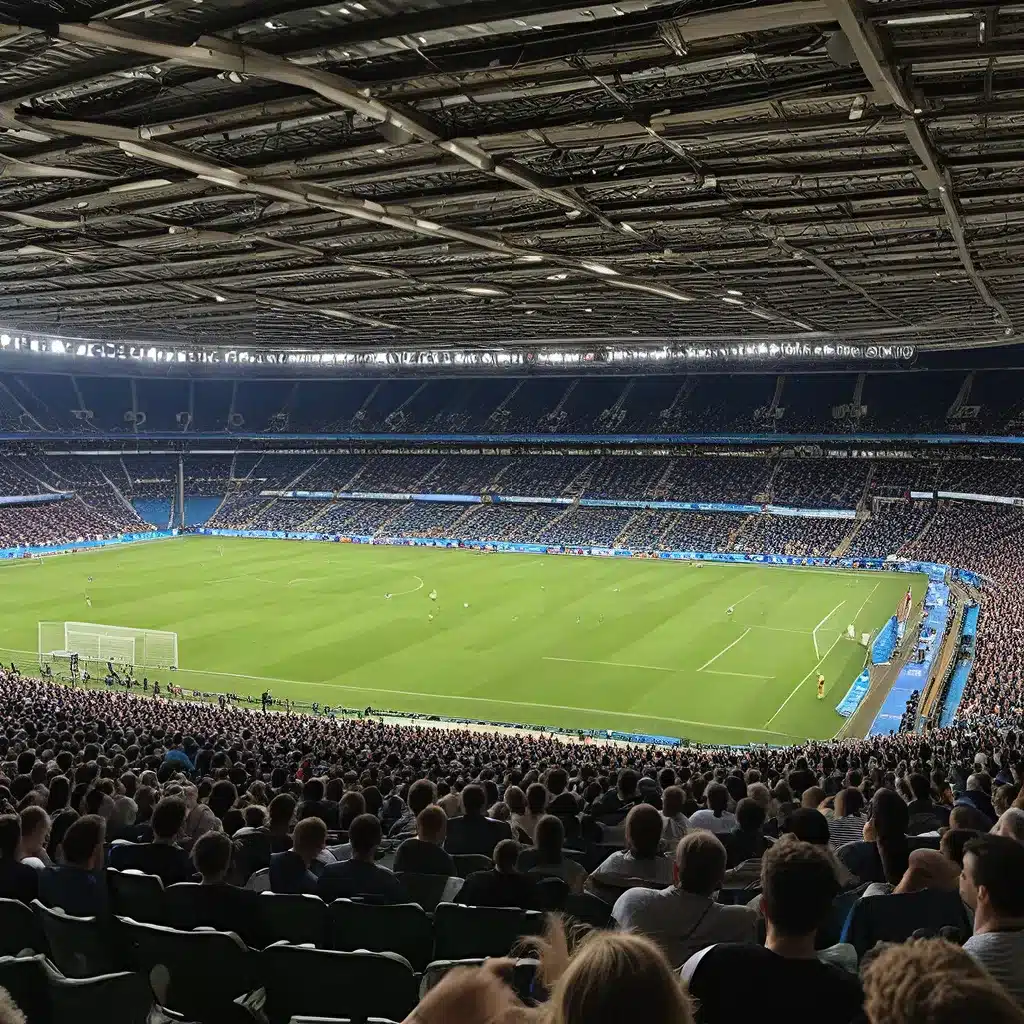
<point>425,172</point>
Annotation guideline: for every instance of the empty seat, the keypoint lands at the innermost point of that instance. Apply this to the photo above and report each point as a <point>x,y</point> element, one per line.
<point>225,908</point>
<point>429,890</point>
<point>20,929</point>
<point>137,895</point>
<point>464,932</point>
<point>294,917</point>
<point>122,998</point>
<point>894,918</point>
<point>80,947</point>
<point>523,980</point>
<point>25,979</point>
<point>589,909</point>
<point>315,982</point>
<point>402,928</point>
<point>197,974</point>
<point>466,863</point>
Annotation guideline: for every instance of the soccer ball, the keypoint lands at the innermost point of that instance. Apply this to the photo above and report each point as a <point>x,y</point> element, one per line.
<point>465,604</point>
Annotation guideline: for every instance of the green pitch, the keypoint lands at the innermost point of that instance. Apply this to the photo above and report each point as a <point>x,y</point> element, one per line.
<point>643,646</point>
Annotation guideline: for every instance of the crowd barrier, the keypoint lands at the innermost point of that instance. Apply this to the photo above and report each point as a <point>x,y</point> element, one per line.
<point>35,499</point>
<point>83,545</point>
<point>857,692</point>
<point>885,643</point>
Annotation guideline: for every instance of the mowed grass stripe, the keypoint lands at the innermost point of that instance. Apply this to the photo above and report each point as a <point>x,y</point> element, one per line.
<point>336,629</point>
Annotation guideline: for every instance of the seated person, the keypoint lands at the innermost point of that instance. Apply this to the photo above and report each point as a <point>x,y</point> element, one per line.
<point>78,885</point>
<point>501,886</point>
<point>641,862</point>
<point>162,857</point>
<point>361,875</point>
<point>684,918</point>
<point>729,980</point>
<point>290,871</point>
<point>424,853</point>
<point>17,881</point>
<point>473,831</point>
<point>547,858</point>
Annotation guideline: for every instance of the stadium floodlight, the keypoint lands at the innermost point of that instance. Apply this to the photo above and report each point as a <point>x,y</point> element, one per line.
<point>97,643</point>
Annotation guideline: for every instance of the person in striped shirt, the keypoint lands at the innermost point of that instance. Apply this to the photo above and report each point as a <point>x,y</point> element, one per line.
<point>846,820</point>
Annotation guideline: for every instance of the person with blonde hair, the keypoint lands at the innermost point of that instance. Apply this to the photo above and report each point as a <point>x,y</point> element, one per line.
<point>609,977</point>
<point>931,981</point>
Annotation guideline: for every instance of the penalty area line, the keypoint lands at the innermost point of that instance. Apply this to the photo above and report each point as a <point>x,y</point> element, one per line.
<point>614,664</point>
<point>729,647</point>
<point>804,680</point>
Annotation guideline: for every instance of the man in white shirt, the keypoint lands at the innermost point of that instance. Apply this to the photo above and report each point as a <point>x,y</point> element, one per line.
<point>716,818</point>
<point>684,918</point>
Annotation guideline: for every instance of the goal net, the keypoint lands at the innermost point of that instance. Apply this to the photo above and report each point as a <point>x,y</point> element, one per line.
<point>93,642</point>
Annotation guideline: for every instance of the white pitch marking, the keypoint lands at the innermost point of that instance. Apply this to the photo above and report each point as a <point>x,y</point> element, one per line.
<point>742,675</point>
<point>614,664</point>
<point>751,594</point>
<point>802,681</point>
<point>724,649</point>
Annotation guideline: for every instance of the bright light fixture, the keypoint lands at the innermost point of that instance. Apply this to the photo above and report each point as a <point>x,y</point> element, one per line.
<point>930,19</point>
<point>733,291</point>
<point>733,302</point>
<point>557,277</point>
<point>482,290</point>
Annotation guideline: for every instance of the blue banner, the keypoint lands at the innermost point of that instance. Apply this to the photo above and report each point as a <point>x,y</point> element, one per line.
<point>885,642</point>
<point>84,545</point>
<point>857,692</point>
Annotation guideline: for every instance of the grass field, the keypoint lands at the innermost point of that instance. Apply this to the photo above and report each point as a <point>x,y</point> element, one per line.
<point>644,646</point>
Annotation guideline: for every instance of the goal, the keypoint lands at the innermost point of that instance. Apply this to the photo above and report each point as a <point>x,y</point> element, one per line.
<point>93,642</point>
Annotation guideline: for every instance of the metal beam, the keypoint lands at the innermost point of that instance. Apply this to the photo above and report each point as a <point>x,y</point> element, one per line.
<point>934,177</point>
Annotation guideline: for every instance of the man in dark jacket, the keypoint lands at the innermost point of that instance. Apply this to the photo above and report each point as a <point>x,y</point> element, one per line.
<point>17,881</point>
<point>162,857</point>
<point>361,875</point>
<point>425,853</point>
<point>473,831</point>
<point>503,885</point>
<point>78,886</point>
<point>290,871</point>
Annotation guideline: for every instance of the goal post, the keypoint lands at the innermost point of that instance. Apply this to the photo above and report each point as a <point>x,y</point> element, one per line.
<point>94,642</point>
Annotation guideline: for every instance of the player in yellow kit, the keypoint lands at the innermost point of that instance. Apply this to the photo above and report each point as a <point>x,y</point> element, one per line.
<point>821,687</point>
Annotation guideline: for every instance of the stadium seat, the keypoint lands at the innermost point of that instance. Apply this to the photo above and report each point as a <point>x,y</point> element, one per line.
<point>466,863</point>
<point>292,917</point>
<point>402,928</point>
<point>137,895</point>
<point>549,893</point>
<point>524,975</point>
<point>80,947</point>
<point>122,998</point>
<point>301,980</point>
<point>259,881</point>
<point>20,929</point>
<point>466,932</point>
<point>337,1020</point>
<point>894,918</point>
<point>25,979</point>
<point>429,890</point>
<point>205,976</point>
<point>589,909</point>
<point>224,908</point>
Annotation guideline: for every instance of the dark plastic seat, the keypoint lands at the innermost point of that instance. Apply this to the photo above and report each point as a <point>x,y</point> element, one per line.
<point>20,929</point>
<point>429,890</point>
<point>293,917</point>
<point>122,998</point>
<point>197,974</point>
<point>315,982</point>
<point>402,928</point>
<point>137,895</point>
<point>589,909</point>
<point>523,980</point>
<point>894,918</point>
<point>80,947</point>
<point>225,908</point>
<point>467,863</point>
<point>462,933</point>
<point>24,978</point>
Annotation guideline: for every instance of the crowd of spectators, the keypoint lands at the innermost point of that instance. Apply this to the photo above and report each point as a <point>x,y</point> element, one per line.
<point>875,877</point>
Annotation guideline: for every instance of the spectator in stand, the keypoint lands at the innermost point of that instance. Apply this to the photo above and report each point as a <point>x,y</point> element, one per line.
<point>925,814</point>
<point>424,853</point>
<point>315,806</point>
<point>17,881</point>
<point>882,855</point>
<point>211,855</point>
<point>846,821</point>
<point>536,799</point>
<point>546,857</point>
<point>715,818</point>
<point>619,799</point>
<point>504,885</point>
<point>1010,823</point>
<point>990,884</point>
<point>979,786</point>
<point>561,801</point>
<point>78,885</point>
<point>422,793</point>
<point>641,862</point>
<point>676,824</point>
<point>35,830</point>
<point>931,981</point>
<point>473,831</point>
<point>291,871</point>
<point>361,875</point>
<point>281,811</point>
<point>747,840</point>
<point>162,857</point>
<point>684,918</point>
<point>729,980</point>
